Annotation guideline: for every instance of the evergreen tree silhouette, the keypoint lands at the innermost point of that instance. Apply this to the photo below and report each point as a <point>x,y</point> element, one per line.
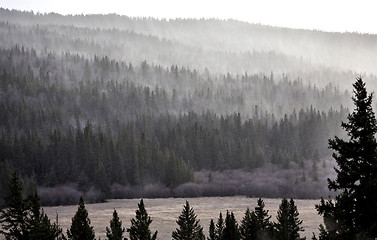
<point>116,231</point>
<point>14,218</point>
<point>288,225</point>
<point>80,228</point>
<point>139,229</point>
<point>189,227</point>
<point>353,212</point>
<point>249,227</point>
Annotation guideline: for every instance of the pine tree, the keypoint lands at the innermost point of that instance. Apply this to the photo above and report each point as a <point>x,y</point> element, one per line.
<point>101,180</point>
<point>288,225</point>
<point>220,225</point>
<point>264,225</point>
<point>24,218</point>
<point>248,228</point>
<point>6,171</point>
<point>189,227</point>
<point>80,228</point>
<point>212,231</point>
<point>139,229</point>
<point>39,225</point>
<point>116,231</point>
<point>294,221</point>
<point>59,231</point>
<point>262,217</point>
<point>315,171</point>
<point>216,231</point>
<point>353,213</point>
<point>231,231</point>
<point>281,227</point>
<point>13,219</point>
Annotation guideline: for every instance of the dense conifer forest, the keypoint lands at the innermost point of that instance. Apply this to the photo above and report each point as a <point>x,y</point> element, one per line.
<point>95,102</point>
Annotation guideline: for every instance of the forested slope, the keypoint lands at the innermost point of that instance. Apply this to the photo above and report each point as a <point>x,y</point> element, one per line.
<point>95,107</point>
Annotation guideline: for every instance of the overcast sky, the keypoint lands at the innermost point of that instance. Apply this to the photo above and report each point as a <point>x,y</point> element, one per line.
<point>328,15</point>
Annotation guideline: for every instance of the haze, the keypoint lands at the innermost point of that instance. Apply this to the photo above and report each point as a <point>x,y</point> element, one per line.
<point>179,99</point>
<point>333,16</point>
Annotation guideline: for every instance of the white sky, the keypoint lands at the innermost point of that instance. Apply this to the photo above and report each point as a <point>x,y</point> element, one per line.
<point>328,15</point>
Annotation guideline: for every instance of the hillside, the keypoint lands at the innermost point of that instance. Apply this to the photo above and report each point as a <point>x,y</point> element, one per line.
<point>99,103</point>
<point>218,45</point>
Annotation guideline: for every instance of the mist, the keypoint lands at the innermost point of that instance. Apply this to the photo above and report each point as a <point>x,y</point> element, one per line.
<point>109,106</point>
<point>269,181</point>
<point>221,46</point>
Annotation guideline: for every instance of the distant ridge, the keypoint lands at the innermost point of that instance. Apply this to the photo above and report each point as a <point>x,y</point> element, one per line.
<point>345,51</point>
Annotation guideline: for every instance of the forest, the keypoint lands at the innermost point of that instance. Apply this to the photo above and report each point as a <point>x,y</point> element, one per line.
<point>98,103</point>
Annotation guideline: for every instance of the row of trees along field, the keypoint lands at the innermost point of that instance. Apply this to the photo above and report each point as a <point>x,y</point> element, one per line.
<point>95,121</point>
<point>25,220</point>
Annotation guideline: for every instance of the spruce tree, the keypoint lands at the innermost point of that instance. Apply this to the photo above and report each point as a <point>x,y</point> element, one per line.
<point>216,231</point>
<point>6,171</point>
<point>294,221</point>
<point>288,225</point>
<point>220,225</point>
<point>353,212</point>
<point>39,225</point>
<point>212,231</point>
<point>139,229</point>
<point>264,225</point>
<point>24,219</point>
<point>116,231</point>
<point>248,227</point>
<point>281,227</point>
<point>80,228</point>
<point>189,227</point>
<point>314,171</point>
<point>59,230</point>
<point>13,219</point>
<point>231,231</point>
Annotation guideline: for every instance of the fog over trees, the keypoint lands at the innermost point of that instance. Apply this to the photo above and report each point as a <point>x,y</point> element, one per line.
<point>111,106</point>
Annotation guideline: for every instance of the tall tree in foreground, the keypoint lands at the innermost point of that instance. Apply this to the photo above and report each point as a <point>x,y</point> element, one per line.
<point>248,228</point>
<point>288,225</point>
<point>24,218</point>
<point>80,228</point>
<point>264,226</point>
<point>139,229</point>
<point>189,227</point>
<point>13,219</point>
<point>212,231</point>
<point>116,231</point>
<point>231,231</point>
<point>40,226</point>
<point>216,231</point>
<point>353,213</point>
<point>220,225</point>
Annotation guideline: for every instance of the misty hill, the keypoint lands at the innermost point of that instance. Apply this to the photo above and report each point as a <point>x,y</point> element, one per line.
<point>220,46</point>
<point>105,104</point>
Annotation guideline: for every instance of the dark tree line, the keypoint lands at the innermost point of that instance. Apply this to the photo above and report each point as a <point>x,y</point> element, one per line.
<point>24,219</point>
<point>165,149</point>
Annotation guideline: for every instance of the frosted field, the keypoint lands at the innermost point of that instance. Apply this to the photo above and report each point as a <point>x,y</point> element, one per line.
<point>165,211</point>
